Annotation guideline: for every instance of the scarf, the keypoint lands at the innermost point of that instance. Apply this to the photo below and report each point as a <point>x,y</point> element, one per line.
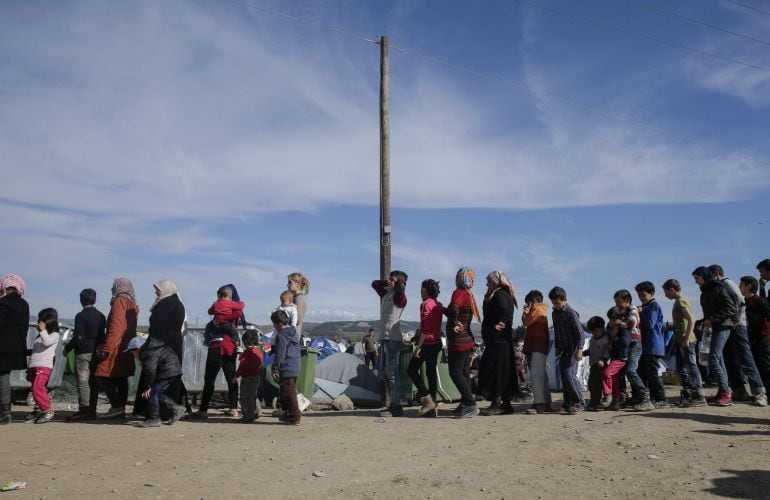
<point>167,288</point>
<point>464,281</point>
<point>12,281</point>
<point>122,286</point>
<point>501,280</point>
<point>705,273</point>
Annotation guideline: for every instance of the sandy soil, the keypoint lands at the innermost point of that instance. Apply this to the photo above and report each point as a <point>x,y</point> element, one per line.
<point>666,453</point>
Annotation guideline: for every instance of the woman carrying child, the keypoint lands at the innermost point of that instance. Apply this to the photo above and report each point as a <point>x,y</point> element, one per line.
<point>299,285</point>
<point>428,348</point>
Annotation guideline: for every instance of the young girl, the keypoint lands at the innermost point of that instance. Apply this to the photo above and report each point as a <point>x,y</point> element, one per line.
<point>41,362</point>
<point>300,287</point>
<point>629,315</point>
<point>428,348</point>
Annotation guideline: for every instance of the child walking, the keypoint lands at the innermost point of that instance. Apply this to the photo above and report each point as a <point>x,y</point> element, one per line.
<point>684,346</point>
<point>569,349</point>
<point>598,354</point>
<point>41,363</point>
<point>620,338</point>
<point>285,367</point>
<point>160,368</point>
<point>653,348</point>
<point>536,347</point>
<point>629,316</point>
<point>249,371</point>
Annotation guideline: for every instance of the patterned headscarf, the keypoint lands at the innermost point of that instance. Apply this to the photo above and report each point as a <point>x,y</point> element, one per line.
<point>464,280</point>
<point>12,281</point>
<point>500,279</point>
<point>167,288</point>
<point>123,286</point>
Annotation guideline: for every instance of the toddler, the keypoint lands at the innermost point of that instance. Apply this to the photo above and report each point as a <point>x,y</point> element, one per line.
<point>227,312</point>
<point>249,370</point>
<point>41,363</point>
<point>597,352</point>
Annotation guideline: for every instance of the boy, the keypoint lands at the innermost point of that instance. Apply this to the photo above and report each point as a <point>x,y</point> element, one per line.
<point>227,312</point>
<point>90,328</point>
<point>653,349</point>
<point>597,351</point>
<point>569,349</point>
<point>285,367</point>
<point>757,313</point>
<point>536,346</point>
<point>392,293</point>
<point>684,346</point>
<point>620,339</point>
<point>764,276</point>
<point>160,368</point>
<point>249,369</point>
<point>628,317</point>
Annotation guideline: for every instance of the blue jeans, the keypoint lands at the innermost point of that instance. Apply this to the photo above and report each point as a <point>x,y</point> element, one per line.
<point>761,352</point>
<point>158,396</point>
<point>391,350</point>
<point>568,366</point>
<point>716,357</point>
<point>687,365</point>
<point>632,366</point>
<point>741,350</point>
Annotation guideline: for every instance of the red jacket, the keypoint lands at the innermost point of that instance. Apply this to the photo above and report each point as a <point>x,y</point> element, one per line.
<point>250,363</point>
<point>225,311</point>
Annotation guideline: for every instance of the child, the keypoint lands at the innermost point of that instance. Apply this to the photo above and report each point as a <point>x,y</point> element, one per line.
<point>160,368</point>
<point>249,369</point>
<point>41,363</point>
<point>289,307</point>
<point>684,343</point>
<point>427,349</point>
<point>286,365</point>
<point>536,347</point>
<point>628,315</point>
<point>757,314</point>
<point>653,348</point>
<point>90,329</point>
<point>597,352</point>
<point>569,350</point>
<point>620,338</point>
<point>227,312</point>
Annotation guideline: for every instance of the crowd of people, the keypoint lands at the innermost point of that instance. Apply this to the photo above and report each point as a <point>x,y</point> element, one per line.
<point>628,347</point>
<point>625,348</point>
<point>105,349</point>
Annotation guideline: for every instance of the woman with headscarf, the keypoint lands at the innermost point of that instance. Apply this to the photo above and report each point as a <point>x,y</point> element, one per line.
<point>14,321</point>
<point>497,377</point>
<point>167,317</point>
<point>114,365</point>
<point>460,312</point>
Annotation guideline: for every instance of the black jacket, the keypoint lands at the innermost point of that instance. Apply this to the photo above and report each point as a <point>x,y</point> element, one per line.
<point>498,309</point>
<point>90,327</point>
<point>159,362</point>
<point>166,320</point>
<point>718,305</point>
<point>14,322</point>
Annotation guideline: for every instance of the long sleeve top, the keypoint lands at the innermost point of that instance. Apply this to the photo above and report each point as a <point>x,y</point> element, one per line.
<point>459,311</point>
<point>225,311</point>
<point>44,349</point>
<point>568,332</point>
<point>651,325</point>
<point>431,314</point>
<point>249,363</point>
<point>287,353</point>
<point>497,309</point>
<point>536,338</point>
<point>90,328</point>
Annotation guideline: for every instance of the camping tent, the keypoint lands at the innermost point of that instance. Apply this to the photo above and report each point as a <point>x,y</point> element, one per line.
<point>344,373</point>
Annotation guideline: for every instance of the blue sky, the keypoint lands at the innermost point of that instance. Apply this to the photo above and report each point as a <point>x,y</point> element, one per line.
<point>208,142</point>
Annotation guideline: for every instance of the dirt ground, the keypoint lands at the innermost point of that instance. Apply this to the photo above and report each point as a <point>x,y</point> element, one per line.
<point>666,453</point>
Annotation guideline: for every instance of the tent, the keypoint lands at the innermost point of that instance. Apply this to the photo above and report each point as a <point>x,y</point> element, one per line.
<point>344,373</point>
<point>325,346</point>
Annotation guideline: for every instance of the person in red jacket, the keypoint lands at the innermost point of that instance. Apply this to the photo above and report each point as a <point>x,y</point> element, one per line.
<point>249,371</point>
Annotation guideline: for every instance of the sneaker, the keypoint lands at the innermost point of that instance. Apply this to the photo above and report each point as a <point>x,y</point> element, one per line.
<point>606,400</point>
<point>614,406</point>
<point>543,408</point>
<point>760,400</point>
<point>119,412</point>
<point>458,410</point>
<point>695,402</point>
<point>45,417</point>
<point>491,411</point>
<point>31,417</point>
<point>575,409</point>
<point>177,411</point>
<point>81,416</point>
<point>393,411</point>
<point>468,411</point>
<point>593,407</point>
<point>150,422</point>
<point>661,405</point>
<point>723,398</point>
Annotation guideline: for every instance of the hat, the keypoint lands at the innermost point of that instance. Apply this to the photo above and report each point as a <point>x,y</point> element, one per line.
<point>135,343</point>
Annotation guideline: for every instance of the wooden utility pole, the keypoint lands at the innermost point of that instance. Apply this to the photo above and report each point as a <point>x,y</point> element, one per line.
<point>384,161</point>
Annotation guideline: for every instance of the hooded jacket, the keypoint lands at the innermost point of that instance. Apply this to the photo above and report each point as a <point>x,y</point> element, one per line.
<point>159,362</point>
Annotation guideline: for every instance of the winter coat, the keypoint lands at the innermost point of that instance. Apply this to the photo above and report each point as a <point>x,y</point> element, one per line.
<point>166,320</point>
<point>90,327</point>
<point>718,305</point>
<point>121,328</point>
<point>498,309</point>
<point>159,362</point>
<point>14,322</point>
<point>287,352</point>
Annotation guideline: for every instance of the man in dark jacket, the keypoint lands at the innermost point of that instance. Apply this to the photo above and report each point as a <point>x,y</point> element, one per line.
<point>160,367</point>
<point>720,313</point>
<point>90,327</point>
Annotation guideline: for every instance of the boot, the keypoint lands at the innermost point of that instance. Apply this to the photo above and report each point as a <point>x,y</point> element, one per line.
<point>633,400</point>
<point>177,411</point>
<point>153,421</point>
<point>684,397</point>
<point>644,404</point>
<point>426,406</point>
<point>696,400</point>
<point>5,415</point>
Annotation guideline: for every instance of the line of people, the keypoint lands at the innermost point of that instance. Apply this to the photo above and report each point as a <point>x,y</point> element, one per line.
<point>105,350</point>
<point>629,345</point>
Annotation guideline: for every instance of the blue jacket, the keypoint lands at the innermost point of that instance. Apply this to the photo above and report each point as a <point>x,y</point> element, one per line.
<point>286,347</point>
<point>651,326</point>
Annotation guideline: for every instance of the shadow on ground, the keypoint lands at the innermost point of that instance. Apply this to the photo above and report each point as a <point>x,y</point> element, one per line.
<point>742,484</point>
